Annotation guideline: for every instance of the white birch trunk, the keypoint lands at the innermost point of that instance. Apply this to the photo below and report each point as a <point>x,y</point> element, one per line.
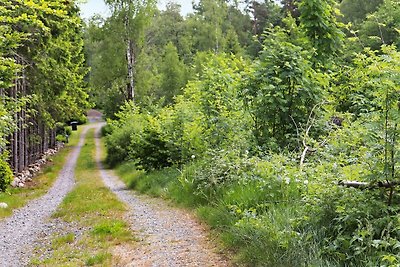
<point>131,62</point>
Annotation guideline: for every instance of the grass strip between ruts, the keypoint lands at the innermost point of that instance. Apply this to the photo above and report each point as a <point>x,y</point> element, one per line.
<point>94,211</point>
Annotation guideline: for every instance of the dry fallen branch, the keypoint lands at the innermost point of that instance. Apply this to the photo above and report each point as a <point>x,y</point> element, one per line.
<point>372,185</point>
<point>310,123</point>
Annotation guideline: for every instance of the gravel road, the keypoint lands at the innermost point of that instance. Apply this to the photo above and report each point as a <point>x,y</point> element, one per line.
<point>168,236</point>
<point>19,232</point>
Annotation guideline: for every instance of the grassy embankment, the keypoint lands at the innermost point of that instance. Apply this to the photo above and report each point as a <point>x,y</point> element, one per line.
<point>18,197</point>
<point>263,241</point>
<point>92,207</point>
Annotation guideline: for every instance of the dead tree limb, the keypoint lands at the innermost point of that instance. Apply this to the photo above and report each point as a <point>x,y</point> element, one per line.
<point>372,185</point>
<point>310,123</point>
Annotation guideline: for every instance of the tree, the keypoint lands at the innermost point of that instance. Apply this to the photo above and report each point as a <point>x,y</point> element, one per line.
<point>106,57</point>
<point>173,73</point>
<point>167,27</point>
<point>291,7</point>
<point>263,15</point>
<point>280,91</point>
<point>356,11</point>
<point>132,16</point>
<point>319,21</point>
<point>382,26</point>
<point>42,70</point>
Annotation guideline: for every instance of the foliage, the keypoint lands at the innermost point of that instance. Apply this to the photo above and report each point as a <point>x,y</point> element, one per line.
<point>381,27</point>
<point>281,90</point>
<point>173,73</point>
<point>263,147</point>
<point>42,68</point>
<point>6,174</point>
<point>356,11</point>
<point>364,229</point>
<point>318,19</point>
<point>47,37</point>
<point>160,70</point>
<point>208,177</point>
<point>129,121</point>
<point>7,125</point>
<point>170,136</point>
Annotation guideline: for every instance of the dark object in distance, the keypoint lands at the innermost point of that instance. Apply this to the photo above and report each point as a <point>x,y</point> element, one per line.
<point>74,125</point>
<point>337,121</point>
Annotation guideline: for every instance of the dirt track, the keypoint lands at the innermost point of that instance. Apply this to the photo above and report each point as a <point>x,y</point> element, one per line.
<point>19,232</point>
<point>168,236</point>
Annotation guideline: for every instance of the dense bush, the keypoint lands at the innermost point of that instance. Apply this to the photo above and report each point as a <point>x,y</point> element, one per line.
<point>6,174</point>
<point>126,130</point>
<point>263,165</point>
<point>281,90</point>
<point>209,115</point>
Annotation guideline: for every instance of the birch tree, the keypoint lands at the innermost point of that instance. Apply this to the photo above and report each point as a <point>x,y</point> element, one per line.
<point>132,16</point>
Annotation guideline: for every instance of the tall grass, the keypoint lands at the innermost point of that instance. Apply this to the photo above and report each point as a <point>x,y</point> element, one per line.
<point>260,231</point>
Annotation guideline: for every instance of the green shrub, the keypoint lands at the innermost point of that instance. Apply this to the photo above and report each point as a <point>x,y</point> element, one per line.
<point>208,177</point>
<point>117,145</point>
<point>153,151</point>
<point>125,131</point>
<point>358,227</point>
<point>61,138</point>
<point>67,131</point>
<point>6,175</point>
<point>106,130</point>
<point>62,129</point>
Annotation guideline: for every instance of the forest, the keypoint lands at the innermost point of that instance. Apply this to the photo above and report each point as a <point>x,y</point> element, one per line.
<point>276,121</point>
<point>42,86</point>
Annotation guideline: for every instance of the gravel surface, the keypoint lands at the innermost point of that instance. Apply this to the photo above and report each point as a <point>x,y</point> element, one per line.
<point>19,234</point>
<point>168,236</point>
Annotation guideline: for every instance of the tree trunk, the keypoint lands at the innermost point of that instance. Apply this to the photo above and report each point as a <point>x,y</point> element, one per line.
<point>14,139</point>
<point>130,56</point>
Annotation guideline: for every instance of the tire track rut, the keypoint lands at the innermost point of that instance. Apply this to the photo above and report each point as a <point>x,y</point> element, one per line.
<point>20,232</point>
<point>168,236</point>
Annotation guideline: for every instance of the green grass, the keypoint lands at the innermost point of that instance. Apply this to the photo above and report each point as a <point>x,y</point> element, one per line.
<point>162,183</point>
<point>94,208</point>
<point>100,258</point>
<point>156,183</point>
<point>63,240</point>
<point>115,229</point>
<point>19,197</point>
<point>267,238</point>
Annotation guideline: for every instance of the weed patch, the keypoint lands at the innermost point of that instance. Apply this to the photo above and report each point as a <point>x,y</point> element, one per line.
<point>98,259</point>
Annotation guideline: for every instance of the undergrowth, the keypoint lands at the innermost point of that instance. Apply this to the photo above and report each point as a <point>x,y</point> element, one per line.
<point>268,153</point>
<point>259,231</point>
